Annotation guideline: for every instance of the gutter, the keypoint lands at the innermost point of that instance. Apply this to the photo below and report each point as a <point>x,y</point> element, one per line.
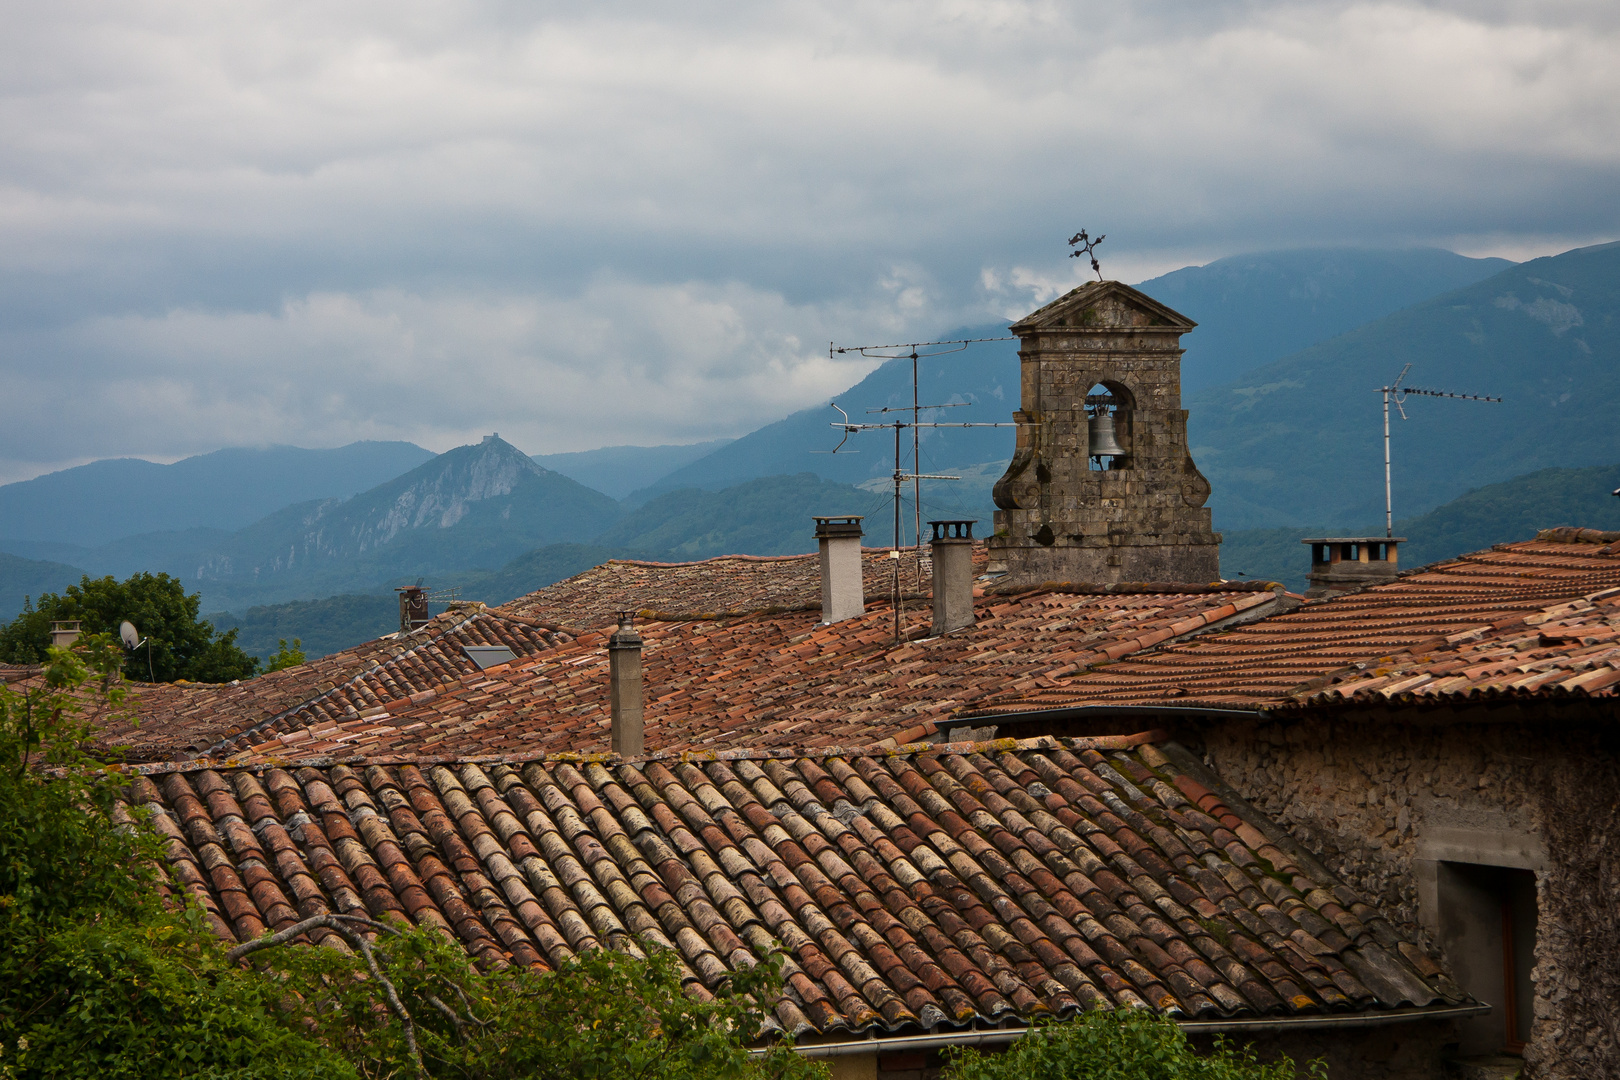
<point>1083,712</point>
<point>1000,1036</point>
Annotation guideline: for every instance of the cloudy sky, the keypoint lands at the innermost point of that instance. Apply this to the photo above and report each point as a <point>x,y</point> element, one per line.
<point>590,224</point>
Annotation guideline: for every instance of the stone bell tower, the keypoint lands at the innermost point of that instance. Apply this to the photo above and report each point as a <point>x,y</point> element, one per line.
<point>1101,487</point>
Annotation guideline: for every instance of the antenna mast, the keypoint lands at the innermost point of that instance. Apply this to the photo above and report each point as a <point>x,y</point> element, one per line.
<point>1397,393</point>
<point>916,476</point>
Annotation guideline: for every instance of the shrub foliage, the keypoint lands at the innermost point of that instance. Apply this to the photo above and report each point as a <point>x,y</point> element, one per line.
<point>1124,1045</point>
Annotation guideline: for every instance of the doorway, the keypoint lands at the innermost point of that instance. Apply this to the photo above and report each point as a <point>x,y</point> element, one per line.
<point>1488,930</point>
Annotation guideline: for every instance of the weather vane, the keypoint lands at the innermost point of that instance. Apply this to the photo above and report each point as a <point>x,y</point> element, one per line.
<point>1088,249</point>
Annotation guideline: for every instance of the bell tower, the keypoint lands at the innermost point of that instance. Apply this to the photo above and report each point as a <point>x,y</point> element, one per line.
<point>1101,487</point>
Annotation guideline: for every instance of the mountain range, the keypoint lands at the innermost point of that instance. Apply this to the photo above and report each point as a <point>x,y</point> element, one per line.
<point>1494,514</point>
<point>1254,309</point>
<point>1299,441</point>
<point>107,500</point>
<point>620,470</point>
<point>1291,447</point>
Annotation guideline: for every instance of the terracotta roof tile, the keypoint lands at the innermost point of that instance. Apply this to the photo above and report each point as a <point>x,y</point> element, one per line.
<point>760,680</point>
<point>729,584</point>
<point>1539,618</point>
<point>186,719</point>
<point>914,888</point>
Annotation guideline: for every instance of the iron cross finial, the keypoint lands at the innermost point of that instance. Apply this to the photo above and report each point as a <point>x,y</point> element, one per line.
<point>1088,248</point>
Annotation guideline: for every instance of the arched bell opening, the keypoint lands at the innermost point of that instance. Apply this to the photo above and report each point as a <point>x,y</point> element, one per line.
<point>1109,407</point>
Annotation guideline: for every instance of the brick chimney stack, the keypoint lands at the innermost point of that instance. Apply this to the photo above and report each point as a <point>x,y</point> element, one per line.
<point>952,555</point>
<point>843,593</point>
<point>64,634</point>
<point>624,695</point>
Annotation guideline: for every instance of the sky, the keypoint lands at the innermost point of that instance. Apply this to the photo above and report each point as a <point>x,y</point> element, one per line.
<point>635,223</point>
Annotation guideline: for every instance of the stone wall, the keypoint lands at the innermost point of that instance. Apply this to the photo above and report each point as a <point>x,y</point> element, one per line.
<point>1368,794</point>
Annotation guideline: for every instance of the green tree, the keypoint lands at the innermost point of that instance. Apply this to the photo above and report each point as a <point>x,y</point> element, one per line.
<point>97,976</point>
<point>182,646</point>
<point>285,657</point>
<point>1124,1045</point>
<point>108,970</point>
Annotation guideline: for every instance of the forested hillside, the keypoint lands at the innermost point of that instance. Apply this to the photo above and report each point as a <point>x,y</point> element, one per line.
<point>1298,441</point>
<point>1495,514</point>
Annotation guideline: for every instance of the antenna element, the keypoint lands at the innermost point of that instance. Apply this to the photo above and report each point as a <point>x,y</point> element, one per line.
<point>1397,393</point>
<point>916,475</point>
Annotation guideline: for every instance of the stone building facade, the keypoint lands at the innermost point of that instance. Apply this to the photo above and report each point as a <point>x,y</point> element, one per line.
<point>1463,826</point>
<point>1101,371</point>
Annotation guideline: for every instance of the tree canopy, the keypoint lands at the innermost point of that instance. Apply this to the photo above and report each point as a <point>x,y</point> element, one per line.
<point>183,646</point>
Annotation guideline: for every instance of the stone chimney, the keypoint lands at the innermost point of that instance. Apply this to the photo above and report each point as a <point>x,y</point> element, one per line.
<point>64,634</point>
<point>843,593</point>
<point>1343,563</point>
<point>952,554</point>
<point>413,608</point>
<point>1101,487</point>
<point>624,696</point>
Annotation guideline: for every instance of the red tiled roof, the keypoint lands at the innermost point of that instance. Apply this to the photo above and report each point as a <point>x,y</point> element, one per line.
<point>13,673</point>
<point>1532,618</point>
<point>730,584</point>
<point>764,680</point>
<point>916,888</point>
<point>181,720</point>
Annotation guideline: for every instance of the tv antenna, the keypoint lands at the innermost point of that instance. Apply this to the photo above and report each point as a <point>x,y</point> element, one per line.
<point>132,640</point>
<point>1398,394</point>
<point>916,475</point>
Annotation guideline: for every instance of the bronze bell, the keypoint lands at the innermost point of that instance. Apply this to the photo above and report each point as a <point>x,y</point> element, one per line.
<point>1103,443</point>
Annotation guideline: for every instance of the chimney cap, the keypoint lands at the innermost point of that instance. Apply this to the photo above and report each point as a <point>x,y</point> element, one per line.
<point>954,529</point>
<point>837,525</point>
<point>625,636</point>
<point>1354,540</point>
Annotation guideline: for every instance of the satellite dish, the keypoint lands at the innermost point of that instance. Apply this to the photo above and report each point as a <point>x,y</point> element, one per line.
<point>131,636</point>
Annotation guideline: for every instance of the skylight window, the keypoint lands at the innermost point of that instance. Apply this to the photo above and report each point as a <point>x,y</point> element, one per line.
<point>487,656</point>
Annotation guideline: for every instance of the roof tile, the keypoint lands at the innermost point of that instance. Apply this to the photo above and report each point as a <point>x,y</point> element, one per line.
<point>913,888</point>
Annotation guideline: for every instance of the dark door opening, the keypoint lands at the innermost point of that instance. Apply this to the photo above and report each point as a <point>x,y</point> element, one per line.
<point>1488,930</point>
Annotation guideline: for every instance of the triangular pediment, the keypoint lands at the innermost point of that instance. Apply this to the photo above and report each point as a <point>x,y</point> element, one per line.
<point>1103,305</point>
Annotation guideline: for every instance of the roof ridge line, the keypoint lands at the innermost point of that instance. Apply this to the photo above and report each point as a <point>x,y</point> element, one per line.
<point>997,746</point>
<point>253,729</point>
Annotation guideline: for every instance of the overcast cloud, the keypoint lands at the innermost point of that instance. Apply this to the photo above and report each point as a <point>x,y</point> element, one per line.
<point>582,225</point>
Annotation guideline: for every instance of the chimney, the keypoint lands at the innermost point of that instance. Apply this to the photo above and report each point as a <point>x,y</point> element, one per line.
<point>1344,563</point>
<point>952,551</point>
<point>413,608</point>
<point>624,674</point>
<point>842,586</point>
<point>64,634</point>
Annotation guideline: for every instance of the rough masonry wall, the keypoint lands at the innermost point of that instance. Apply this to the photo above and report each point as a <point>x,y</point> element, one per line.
<point>1358,792</point>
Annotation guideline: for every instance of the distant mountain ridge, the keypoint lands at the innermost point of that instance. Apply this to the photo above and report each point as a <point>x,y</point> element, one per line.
<point>22,579</point>
<point>1498,513</point>
<point>476,505</point>
<point>1251,309</point>
<point>1257,308</point>
<point>619,470</point>
<point>105,500</point>
<point>1298,441</point>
